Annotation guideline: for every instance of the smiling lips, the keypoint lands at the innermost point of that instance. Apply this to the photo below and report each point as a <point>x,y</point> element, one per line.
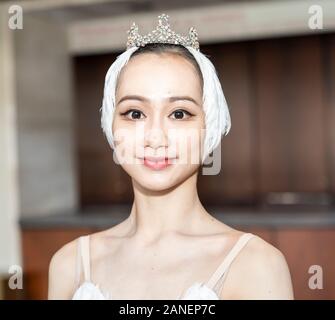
<point>157,163</point>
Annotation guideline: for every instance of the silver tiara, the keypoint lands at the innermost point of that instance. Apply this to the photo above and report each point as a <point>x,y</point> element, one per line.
<point>162,34</point>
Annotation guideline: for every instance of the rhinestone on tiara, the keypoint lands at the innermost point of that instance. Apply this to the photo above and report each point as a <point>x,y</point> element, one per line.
<point>162,34</point>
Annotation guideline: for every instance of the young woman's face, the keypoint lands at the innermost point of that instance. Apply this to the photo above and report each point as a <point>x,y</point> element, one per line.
<point>159,113</point>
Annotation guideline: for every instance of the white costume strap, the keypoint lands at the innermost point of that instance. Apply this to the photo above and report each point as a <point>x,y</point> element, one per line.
<point>83,258</point>
<point>223,267</point>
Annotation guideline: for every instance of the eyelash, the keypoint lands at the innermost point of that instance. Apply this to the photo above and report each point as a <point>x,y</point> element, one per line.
<point>131,110</point>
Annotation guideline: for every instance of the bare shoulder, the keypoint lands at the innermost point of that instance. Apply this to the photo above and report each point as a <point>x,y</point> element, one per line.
<point>260,271</point>
<point>62,267</point>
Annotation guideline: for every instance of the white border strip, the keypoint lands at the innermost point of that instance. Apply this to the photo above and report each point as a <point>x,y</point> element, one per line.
<point>10,244</point>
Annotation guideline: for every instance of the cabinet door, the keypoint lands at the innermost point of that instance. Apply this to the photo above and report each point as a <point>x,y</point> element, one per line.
<point>303,249</point>
<point>289,90</point>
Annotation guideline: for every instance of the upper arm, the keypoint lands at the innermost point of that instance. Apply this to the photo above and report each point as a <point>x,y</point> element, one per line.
<point>62,272</point>
<point>261,273</point>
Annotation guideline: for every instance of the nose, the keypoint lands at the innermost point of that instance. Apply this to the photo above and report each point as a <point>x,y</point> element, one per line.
<point>155,134</point>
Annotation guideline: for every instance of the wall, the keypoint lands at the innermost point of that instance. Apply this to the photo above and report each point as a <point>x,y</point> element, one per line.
<point>45,121</point>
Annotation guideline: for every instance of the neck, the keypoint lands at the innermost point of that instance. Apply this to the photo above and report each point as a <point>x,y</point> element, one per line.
<point>157,214</point>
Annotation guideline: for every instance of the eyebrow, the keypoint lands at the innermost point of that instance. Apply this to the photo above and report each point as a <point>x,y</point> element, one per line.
<point>169,99</point>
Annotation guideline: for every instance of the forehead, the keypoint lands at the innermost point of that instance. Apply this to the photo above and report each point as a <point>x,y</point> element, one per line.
<point>155,75</point>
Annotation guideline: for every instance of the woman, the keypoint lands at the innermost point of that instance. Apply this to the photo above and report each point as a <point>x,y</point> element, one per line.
<point>161,95</point>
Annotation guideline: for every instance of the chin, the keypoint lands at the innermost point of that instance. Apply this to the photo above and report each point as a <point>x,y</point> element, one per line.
<point>156,186</point>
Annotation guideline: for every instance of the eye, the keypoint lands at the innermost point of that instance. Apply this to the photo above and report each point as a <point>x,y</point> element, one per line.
<point>134,114</point>
<point>179,114</point>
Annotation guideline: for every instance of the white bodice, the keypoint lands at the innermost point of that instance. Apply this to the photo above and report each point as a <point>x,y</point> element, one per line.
<point>91,291</point>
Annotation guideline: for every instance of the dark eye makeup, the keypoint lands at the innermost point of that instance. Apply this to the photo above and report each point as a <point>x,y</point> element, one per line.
<point>138,112</point>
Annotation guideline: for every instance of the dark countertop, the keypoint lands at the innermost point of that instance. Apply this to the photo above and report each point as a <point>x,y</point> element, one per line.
<point>279,216</point>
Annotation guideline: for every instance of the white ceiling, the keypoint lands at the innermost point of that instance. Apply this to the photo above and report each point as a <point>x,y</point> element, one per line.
<point>66,11</point>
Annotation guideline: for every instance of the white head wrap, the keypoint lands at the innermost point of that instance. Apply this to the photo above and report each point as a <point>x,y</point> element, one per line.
<point>217,117</point>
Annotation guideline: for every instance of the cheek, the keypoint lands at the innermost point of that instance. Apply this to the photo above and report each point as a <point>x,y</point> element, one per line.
<point>124,132</point>
<point>188,144</point>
